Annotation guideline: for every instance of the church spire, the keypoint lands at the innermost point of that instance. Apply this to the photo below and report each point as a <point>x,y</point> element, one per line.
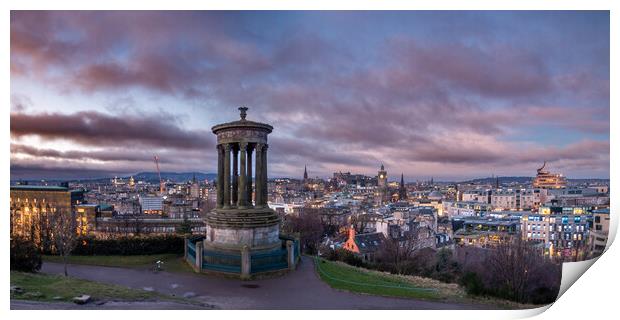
<point>402,191</point>
<point>306,172</point>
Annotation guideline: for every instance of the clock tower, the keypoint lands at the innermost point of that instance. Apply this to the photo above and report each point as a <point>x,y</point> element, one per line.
<point>382,178</point>
<point>381,193</point>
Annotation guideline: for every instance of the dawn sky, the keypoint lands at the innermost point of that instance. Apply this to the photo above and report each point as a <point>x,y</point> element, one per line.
<point>449,95</point>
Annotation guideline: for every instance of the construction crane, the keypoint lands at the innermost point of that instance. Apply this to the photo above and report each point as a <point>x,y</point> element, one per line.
<point>161,182</point>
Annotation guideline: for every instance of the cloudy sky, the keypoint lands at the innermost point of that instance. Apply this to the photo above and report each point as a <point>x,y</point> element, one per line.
<point>452,95</point>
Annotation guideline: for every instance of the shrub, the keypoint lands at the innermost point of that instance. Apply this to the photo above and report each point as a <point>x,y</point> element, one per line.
<point>472,283</point>
<point>344,256</point>
<point>446,268</point>
<point>544,295</point>
<point>24,256</point>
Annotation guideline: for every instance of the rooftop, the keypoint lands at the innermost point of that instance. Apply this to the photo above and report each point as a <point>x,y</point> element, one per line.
<point>43,188</point>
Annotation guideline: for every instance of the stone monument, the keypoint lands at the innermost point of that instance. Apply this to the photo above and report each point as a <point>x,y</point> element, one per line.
<point>242,233</point>
<point>238,221</point>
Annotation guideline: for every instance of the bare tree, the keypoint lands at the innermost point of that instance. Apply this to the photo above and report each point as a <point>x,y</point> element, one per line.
<point>511,264</point>
<point>309,228</point>
<point>397,250</point>
<point>64,234</point>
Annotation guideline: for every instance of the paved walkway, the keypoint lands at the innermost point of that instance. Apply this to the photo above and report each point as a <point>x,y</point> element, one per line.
<point>301,289</point>
<point>108,305</point>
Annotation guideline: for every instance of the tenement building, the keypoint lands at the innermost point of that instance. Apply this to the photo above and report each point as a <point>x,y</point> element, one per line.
<point>242,235</point>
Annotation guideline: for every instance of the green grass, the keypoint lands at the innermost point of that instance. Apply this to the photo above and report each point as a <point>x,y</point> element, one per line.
<point>50,286</point>
<point>344,277</point>
<point>172,262</point>
<point>341,276</point>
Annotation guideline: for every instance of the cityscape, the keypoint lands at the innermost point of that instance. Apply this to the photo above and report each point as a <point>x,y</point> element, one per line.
<point>419,178</point>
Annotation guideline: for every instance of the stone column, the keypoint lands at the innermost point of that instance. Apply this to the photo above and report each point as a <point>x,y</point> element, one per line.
<point>265,190</point>
<point>220,176</point>
<point>199,256</point>
<point>227,176</point>
<point>258,191</point>
<point>246,262</point>
<point>248,178</point>
<point>242,189</point>
<point>235,177</point>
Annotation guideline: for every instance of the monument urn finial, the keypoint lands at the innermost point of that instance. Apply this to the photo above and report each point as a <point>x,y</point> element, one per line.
<point>243,112</point>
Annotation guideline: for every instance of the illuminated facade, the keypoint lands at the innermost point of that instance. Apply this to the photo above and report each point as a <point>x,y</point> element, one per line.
<point>484,232</point>
<point>33,208</point>
<point>151,205</point>
<point>546,180</point>
<point>562,230</point>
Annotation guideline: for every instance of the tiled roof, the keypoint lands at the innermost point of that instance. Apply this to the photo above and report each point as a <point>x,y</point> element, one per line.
<point>369,242</point>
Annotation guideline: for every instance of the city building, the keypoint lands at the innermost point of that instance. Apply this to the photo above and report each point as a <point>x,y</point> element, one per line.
<point>599,232</point>
<point>518,199</point>
<point>364,245</point>
<point>562,230</point>
<point>476,195</point>
<point>32,209</point>
<point>484,232</point>
<point>546,180</point>
<point>152,204</point>
<point>580,196</point>
<point>194,189</point>
<point>462,208</point>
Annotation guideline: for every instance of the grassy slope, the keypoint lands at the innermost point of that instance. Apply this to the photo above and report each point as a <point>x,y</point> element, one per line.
<point>172,262</point>
<point>442,291</point>
<point>342,276</point>
<point>51,286</point>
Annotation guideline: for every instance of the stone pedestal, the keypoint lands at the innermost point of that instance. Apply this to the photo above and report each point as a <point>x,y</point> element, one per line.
<point>185,243</point>
<point>199,255</point>
<point>256,228</point>
<point>290,254</point>
<point>246,263</point>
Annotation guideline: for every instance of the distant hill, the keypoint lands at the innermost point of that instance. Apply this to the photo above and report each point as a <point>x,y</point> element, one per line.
<point>502,180</point>
<point>145,176</point>
<point>173,176</point>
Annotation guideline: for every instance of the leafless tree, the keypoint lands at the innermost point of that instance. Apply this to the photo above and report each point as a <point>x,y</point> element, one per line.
<point>309,228</point>
<point>398,250</point>
<point>64,234</point>
<point>511,265</point>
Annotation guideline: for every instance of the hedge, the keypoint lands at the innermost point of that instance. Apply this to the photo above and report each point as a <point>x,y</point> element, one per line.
<point>126,246</point>
<point>24,255</point>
